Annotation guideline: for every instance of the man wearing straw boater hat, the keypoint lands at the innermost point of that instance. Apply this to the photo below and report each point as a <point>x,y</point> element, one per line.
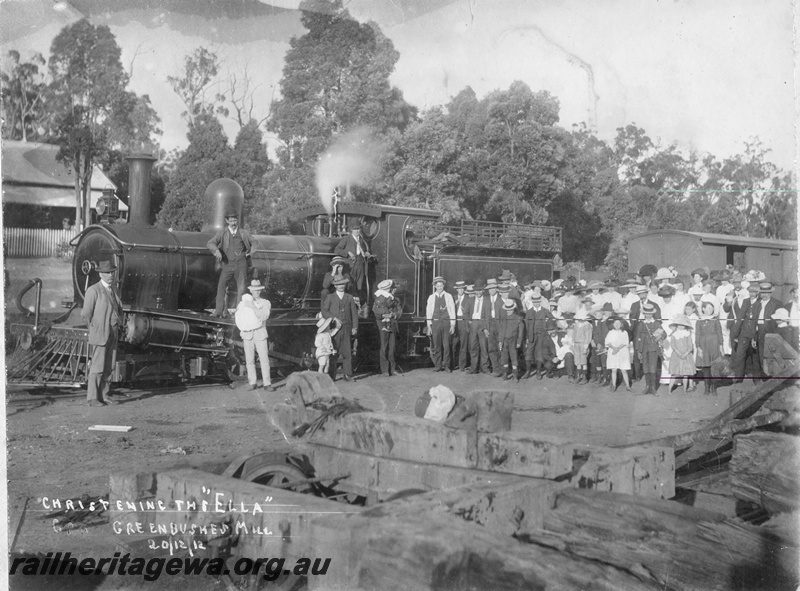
<point>440,313</point>
<point>766,324</point>
<point>102,312</point>
<point>342,306</point>
<point>386,310</point>
<point>251,314</point>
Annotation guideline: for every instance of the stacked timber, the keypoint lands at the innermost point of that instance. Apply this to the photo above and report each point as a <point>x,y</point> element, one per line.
<point>765,470</point>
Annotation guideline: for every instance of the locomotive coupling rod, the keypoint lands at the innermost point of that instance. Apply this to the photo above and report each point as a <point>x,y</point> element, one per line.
<point>336,478</point>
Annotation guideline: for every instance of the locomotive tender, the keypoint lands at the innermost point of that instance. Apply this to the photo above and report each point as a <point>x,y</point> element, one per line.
<point>168,281</point>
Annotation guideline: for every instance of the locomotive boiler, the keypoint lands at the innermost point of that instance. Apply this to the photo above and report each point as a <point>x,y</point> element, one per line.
<point>168,282</point>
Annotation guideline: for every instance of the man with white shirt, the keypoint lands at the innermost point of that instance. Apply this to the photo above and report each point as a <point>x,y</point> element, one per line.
<point>251,314</point>
<point>440,313</point>
<point>102,312</point>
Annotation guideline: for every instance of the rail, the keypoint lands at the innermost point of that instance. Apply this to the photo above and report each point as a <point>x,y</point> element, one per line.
<point>478,233</point>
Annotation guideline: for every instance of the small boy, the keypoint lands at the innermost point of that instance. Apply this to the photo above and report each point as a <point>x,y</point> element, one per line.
<point>601,375</point>
<point>324,343</point>
<point>648,346</point>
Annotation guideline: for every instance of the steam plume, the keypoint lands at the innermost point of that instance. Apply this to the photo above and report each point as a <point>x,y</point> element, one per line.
<point>349,161</point>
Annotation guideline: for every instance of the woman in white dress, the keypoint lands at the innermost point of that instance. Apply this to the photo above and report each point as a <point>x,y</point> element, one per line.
<point>618,353</point>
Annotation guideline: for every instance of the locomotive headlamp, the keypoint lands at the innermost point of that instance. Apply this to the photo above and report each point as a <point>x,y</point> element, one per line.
<point>107,206</point>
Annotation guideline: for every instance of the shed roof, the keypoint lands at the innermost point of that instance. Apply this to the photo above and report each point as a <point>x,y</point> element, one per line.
<point>32,175</point>
<point>708,238</point>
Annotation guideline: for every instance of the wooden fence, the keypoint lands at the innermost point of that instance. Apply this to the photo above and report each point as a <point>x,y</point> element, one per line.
<point>34,242</point>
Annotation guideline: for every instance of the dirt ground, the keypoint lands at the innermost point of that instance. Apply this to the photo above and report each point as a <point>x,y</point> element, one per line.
<point>51,453</point>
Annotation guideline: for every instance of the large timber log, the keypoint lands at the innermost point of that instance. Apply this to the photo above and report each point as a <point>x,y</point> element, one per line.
<point>679,547</point>
<point>765,470</point>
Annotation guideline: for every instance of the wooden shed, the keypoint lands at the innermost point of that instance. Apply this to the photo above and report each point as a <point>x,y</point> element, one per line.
<point>689,250</point>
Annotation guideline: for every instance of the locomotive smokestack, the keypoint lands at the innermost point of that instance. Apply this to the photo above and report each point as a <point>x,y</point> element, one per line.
<point>139,169</point>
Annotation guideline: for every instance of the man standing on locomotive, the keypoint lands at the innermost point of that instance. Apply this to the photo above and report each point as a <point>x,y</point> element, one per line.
<point>102,312</point>
<point>232,248</point>
<point>354,248</point>
<point>342,306</point>
<point>337,270</point>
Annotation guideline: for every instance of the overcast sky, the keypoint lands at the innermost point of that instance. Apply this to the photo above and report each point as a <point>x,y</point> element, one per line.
<point>707,74</point>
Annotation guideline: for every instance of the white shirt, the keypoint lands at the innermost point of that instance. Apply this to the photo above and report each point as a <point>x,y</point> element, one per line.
<point>476,312</point>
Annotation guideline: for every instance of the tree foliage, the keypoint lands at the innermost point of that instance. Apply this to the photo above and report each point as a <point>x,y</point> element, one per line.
<point>197,86</point>
<point>23,89</point>
<point>92,111</point>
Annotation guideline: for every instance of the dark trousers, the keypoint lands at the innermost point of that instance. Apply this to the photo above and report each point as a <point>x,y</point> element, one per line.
<point>743,354</point>
<point>533,349</point>
<point>359,272</point>
<point>341,342</point>
<point>649,363</point>
<point>509,353</point>
<point>569,364</point>
<point>98,380</point>
<point>494,354</point>
<point>440,343</point>
<point>478,347</point>
<point>235,270</point>
<point>461,343</point>
<point>387,349</point>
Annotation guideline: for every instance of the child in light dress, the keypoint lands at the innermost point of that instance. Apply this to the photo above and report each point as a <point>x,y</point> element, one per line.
<point>618,353</point>
<point>681,360</point>
<point>324,343</point>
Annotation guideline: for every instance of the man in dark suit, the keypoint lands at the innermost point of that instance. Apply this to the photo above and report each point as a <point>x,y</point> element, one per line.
<point>232,248</point>
<point>478,344</point>
<point>743,334</point>
<point>338,266</point>
<point>492,313</point>
<point>342,306</point>
<point>536,318</point>
<point>355,249</point>
<point>635,316</point>
<point>766,324</point>
<point>460,342</point>
<point>102,312</point>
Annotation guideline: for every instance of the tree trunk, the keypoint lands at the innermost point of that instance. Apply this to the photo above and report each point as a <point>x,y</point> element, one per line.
<point>76,168</point>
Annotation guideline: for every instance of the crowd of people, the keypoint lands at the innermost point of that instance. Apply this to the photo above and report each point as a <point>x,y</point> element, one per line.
<point>656,327</point>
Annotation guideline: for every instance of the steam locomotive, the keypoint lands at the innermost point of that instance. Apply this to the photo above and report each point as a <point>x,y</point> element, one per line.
<point>168,281</point>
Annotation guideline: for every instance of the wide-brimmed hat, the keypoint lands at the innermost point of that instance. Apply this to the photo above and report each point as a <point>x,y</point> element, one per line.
<point>629,285</point>
<point>337,260</point>
<point>385,285</point>
<point>596,284</point>
<point>648,271</point>
<point>323,323</point>
<point>781,314</point>
<point>255,285</point>
<point>509,305</point>
<point>681,320</point>
<point>505,288</point>
<point>665,273</point>
<point>642,289</point>
<point>536,299</point>
<point>506,275</point>
<point>754,275</point>
<point>766,287</point>
<point>607,307</point>
<point>460,285</point>
<point>439,280</point>
<point>558,283</point>
<point>340,280</point>
<point>491,283</point>
<point>470,289</point>
<point>106,267</point>
<point>648,308</point>
<point>546,285</point>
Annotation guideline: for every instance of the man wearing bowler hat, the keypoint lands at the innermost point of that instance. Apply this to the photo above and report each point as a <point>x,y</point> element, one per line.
<point>342,306</point>
<point>232,248</point>
<point>338,266</point>
<point>441,316</point>
<point>354,248</point>
<point>102,312</point>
